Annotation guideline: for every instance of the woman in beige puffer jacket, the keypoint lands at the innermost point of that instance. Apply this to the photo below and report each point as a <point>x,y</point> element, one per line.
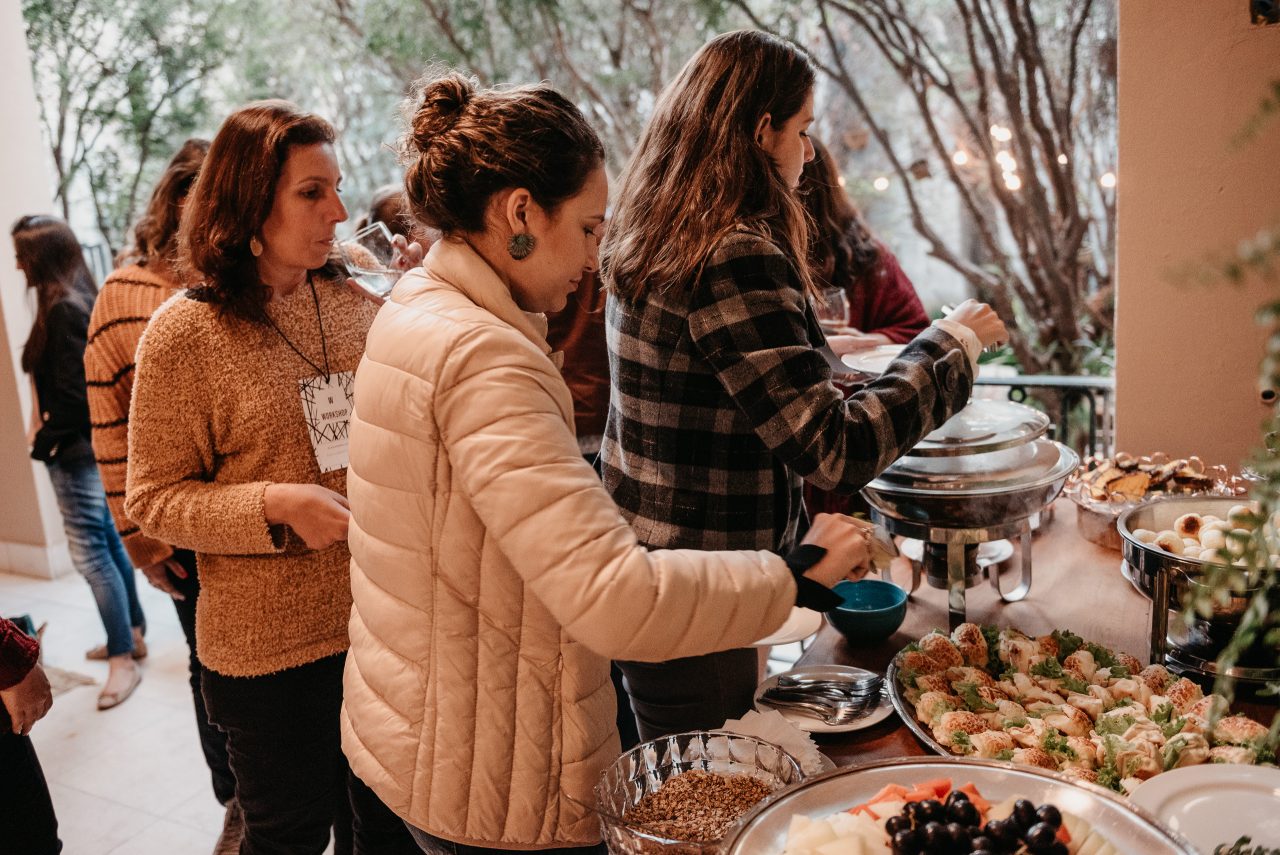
<point>493,578</point>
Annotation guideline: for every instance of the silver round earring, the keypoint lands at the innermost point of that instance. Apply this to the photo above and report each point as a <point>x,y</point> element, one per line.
<point>520,246</point>
<point>255,246</point>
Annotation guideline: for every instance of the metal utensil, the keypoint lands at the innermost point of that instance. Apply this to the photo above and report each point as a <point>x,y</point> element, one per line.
<point>836,713</point>
<point>862,686</point>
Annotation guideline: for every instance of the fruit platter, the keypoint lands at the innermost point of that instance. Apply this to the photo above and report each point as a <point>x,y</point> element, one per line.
<point>955,805</point>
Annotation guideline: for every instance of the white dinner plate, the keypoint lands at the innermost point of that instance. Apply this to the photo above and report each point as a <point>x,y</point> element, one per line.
<point>873,360</point>
<point>801,624</point>
<point>1217,804</point>
<point>809,724</point>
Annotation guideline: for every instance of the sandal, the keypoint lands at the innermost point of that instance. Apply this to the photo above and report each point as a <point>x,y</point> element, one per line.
<point>107,700</point>
<point>99,653</point>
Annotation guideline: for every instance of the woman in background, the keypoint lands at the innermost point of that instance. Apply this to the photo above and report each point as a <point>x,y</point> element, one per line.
<point>49,255</point>
<point>722,403</point>
<point>146,278</point>
<point>883,305</point>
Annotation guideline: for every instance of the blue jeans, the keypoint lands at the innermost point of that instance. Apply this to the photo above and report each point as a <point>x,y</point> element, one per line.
<point>96,550</point>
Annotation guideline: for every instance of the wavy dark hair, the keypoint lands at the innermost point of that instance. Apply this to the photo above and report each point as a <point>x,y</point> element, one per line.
<point>50,255</point>
<point>389,206</point>
<point>698,172</point>
<point>464,144</point>
<point>841,247</point>
<point>231,200</point>
<point>155,236</point>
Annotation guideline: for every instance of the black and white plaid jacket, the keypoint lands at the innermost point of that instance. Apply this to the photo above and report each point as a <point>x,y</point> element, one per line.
<point>721,405</point>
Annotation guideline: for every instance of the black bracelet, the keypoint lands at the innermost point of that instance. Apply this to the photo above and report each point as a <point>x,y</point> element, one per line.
<point>810,594</point>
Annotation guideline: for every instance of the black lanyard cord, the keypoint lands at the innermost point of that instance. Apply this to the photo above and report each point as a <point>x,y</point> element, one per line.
<point>324,348</point>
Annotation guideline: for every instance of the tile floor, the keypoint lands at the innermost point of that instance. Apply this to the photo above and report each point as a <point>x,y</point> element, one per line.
<point>130,780</point>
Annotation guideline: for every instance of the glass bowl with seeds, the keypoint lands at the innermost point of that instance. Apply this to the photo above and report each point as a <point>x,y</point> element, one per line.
<point>682,794</point>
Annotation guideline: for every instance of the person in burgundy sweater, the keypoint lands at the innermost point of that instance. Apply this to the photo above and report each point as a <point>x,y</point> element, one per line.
<point>27,822</point>
<point>883,305</point>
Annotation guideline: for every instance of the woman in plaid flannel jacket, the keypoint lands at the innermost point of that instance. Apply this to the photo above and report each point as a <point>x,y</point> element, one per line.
<point>722,402</point>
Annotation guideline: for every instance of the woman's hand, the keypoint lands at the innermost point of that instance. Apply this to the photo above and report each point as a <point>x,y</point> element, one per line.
<point>316,514</point>
<point>28,701</point>
<point>848,554</point>
<point>982,319</point>
<point>405,256</point>
<point>158,572</point>
<point>854,341</point>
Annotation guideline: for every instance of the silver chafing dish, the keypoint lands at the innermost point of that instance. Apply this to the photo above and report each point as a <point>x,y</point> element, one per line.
<point>1168,579</point>
<point>980,477</point>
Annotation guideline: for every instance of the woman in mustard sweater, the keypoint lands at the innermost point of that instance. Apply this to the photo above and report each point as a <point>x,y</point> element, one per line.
<point>237,451</point>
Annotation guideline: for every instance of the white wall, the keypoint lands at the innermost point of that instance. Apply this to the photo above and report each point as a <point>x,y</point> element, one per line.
<point>31,539</point>
<point>1191,75</point>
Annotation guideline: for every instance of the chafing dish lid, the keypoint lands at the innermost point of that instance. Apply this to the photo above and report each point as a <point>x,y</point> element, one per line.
<point>983,427</point>
<point>1040,461</point>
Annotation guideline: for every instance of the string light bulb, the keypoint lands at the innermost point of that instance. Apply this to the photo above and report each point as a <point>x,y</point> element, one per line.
<point>1012,181</point>
<point>1000,133</point>
<point>840,179</point>
<point>1062,158</point>
<point>960,158</point>
<point>881,184</point>
<point>1108,180</point>
<point>1006,160</point>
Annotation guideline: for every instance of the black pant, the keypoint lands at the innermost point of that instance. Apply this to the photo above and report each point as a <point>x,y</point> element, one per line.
<point>291,778</point>
<point>433,845</point>
<point>27,823</point>
<point>212,740</point>
<point>694,693</point>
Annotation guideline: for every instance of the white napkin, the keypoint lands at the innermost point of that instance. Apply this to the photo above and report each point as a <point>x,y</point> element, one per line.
<point>772,726</point>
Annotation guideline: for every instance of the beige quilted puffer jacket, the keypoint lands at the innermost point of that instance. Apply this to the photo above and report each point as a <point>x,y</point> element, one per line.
<point>494,578</point>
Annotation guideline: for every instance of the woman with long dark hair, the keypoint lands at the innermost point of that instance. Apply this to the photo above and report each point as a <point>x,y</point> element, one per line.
<point>144,279</point>
<point>237,452</point>
<point>722,404</point>
<point>883,305</point>
<point>49,255</point>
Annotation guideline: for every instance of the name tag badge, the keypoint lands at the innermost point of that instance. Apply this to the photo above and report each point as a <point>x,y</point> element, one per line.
<point>327,406</point>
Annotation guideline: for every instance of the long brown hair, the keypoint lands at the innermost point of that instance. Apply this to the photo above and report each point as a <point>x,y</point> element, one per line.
<point>841,248</point>
<point>155,236</point>
<point>50,256</point>
<point>465,144</point>
<point>698,172</point>
<point>231,200</point>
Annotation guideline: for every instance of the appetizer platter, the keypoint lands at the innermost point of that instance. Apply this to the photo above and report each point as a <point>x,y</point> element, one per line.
<point>1064,704</point>
<point>925,805</point>
<point>1105,487</point>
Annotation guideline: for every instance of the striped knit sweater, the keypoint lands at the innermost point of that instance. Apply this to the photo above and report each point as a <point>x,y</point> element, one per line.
<point>126,302</point>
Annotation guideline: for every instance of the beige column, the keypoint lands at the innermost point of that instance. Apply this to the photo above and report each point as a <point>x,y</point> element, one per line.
<point>31,538</point>
<point>1192,74</point>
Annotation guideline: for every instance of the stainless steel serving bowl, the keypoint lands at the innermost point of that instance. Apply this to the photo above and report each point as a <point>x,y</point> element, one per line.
<point>1146,561</point>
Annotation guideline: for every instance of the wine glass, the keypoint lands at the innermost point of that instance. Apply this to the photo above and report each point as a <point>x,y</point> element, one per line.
<point>833,311</point>
<point>368,254</point>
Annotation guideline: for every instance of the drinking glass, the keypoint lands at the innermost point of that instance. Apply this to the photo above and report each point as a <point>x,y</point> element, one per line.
<point>834,316</point>
<point>368,254</point>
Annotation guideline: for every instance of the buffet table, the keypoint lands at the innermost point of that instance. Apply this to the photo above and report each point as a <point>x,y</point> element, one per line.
<point>1077,586</point>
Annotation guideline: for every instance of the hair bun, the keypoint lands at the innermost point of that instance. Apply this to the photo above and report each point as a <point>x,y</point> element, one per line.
<point>442,103</point>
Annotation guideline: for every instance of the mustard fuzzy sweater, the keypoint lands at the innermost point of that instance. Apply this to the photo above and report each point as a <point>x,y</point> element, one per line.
<point>216,417</point>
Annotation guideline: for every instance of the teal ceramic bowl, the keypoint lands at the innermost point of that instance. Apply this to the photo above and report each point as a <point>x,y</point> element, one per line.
<point>871,612</point>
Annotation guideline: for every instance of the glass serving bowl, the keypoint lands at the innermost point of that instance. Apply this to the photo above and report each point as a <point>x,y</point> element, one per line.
<point>645,768</point>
